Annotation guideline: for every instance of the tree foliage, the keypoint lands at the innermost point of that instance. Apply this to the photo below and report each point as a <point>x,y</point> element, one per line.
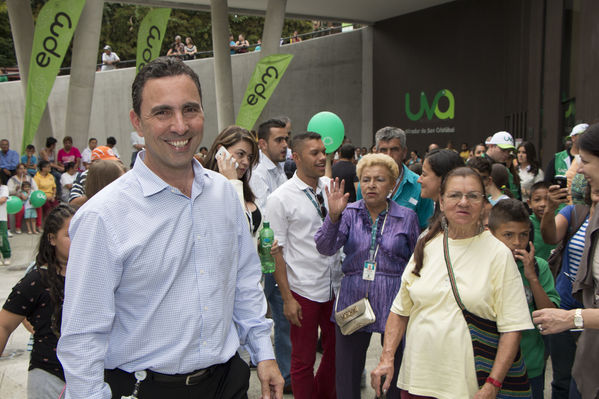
<point>120,23</point>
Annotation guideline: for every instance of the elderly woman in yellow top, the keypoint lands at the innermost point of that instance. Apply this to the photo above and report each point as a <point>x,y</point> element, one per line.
<point>438,359</point>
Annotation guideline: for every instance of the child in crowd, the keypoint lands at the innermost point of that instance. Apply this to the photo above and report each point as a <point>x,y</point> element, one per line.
<point>4,245</point>
<point>497,186</point>
<point>66,181</point>
<point>30,211</point>
<point>30,160</point>
<point>537,202</point>
<point>509,222</point>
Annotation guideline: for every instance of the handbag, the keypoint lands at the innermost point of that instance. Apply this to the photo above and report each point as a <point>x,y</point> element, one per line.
<point>485,340</point>
<point>359,314</point>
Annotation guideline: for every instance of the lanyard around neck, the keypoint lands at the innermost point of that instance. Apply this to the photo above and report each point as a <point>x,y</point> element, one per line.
<point>314,202</point>
<point>374,249</point>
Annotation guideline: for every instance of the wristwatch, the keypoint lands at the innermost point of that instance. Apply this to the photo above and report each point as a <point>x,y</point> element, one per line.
<point>578,321</point>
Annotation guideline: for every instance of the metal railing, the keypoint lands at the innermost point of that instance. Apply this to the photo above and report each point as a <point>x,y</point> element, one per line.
<point>13,76</point>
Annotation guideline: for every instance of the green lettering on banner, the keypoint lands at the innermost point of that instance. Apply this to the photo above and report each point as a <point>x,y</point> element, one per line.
<point>54,30</point>
<point>449,113</point>
<point>264,80</point>
<point>150,36</point>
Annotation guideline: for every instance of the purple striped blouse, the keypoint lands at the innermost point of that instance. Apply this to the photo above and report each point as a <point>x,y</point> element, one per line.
<point>353,233</point>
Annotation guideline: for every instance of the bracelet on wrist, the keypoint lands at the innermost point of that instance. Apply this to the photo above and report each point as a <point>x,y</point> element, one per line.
<point>494,382</point>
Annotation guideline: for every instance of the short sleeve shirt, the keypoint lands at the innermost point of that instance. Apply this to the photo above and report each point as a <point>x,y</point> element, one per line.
<point>30,297</point>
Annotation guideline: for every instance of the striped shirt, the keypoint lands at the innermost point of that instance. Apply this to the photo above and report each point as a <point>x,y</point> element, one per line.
<point>575,249</point>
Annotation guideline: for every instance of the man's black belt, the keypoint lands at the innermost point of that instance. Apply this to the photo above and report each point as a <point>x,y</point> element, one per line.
<point>193,378</point>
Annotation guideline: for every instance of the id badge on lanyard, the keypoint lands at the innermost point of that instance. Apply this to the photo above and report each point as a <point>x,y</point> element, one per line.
<point>369,270</point>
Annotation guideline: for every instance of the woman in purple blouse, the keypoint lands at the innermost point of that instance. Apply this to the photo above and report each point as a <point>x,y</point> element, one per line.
<point>389,246</point>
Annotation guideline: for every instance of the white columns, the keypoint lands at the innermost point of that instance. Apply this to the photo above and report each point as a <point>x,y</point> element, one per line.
<point>223,75</point>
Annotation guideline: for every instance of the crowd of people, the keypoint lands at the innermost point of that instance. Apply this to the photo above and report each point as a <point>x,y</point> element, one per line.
<point>468,264</point>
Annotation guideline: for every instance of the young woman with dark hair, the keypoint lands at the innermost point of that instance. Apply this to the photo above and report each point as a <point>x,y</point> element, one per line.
<point>529,169</point>
<point>38,298</point>
<point>242,146</point>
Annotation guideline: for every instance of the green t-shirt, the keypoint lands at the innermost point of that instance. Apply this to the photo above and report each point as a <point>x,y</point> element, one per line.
<point>532,346</point>
<point>542,249</point>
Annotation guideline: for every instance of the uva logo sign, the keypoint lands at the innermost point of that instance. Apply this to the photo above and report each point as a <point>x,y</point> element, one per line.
<point>433,108</point>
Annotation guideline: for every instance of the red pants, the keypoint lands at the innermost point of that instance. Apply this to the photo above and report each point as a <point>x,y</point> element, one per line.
<point>19,218</point>
<point>303,351</point>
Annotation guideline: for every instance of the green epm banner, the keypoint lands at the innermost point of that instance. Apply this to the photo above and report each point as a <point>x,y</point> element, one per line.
<point>264,81</point>
<point>54,30</point>
<point>150,36</point>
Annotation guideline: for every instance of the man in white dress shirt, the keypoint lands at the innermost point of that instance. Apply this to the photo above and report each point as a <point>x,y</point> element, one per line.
<point>306,278</point>
<point>267,176</point>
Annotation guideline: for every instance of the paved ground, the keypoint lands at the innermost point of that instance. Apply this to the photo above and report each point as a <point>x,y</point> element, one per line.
<point>15,359</point>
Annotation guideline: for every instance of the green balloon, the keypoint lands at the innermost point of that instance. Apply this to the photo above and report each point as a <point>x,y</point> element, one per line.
<point>13,205</point>
<point>330,127</point>
<point>37,198</point>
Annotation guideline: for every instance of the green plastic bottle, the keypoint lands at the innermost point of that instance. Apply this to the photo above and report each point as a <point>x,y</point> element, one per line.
<point>267,237</point>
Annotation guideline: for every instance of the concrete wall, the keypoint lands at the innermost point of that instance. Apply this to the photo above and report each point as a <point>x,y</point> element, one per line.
<point>325,74</point>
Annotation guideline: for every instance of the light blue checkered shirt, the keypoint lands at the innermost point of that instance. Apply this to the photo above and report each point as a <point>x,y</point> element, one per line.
<point>157,280</point>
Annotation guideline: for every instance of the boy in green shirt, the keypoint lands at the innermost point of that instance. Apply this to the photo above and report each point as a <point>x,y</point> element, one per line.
<point>537,203</point>
<point>510,224</point>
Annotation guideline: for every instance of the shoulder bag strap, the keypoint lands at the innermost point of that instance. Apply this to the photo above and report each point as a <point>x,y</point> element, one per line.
<point>454,287</point>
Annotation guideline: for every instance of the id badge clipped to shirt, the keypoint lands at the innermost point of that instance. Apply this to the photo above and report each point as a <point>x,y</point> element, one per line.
<point>369,270</point>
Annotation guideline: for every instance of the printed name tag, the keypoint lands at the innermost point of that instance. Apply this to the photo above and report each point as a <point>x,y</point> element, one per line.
<point>413,201</point>
<point>369,270</point>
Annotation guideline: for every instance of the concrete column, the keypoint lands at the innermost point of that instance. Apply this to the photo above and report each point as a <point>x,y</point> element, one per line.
<point>367,134</point>
<point>21,25</point>
<point>273,27</point>
<point>83,72</point>
<point>223,75</point>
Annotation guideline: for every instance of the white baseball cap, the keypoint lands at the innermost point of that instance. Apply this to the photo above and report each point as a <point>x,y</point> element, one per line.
<point>503,140</point>
<point>579,129</point>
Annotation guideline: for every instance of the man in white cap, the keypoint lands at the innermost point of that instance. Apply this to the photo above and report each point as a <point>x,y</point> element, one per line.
<point>499,148</point>
<point>109,59</point>
<point>561,161</point>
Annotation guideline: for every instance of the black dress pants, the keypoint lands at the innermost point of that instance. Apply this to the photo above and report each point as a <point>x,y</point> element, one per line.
<point>229,380</point>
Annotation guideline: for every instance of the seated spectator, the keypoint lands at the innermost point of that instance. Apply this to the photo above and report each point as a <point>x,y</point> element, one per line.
<point>111,143</point>
<point>45,182</point>
<point>258,45</point>
<point>295,38</point>
<point>9,159</point>
<point>30,160</point>
<point>86,155</point>
<point>232,46</point>
<point>242,45</point>
<point>49,154</point>
<point>177,49</point>
<point>190,49</point>
<point>69,153</point>
<point>66,181</point>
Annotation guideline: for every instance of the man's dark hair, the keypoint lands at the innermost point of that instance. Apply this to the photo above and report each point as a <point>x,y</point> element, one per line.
<point>50,141</point>
<point>507,210</point>
<point>159,68</point>
<point>538,186</point>
<point>297,140</point>
<point>69,165</point>
<point>30,147</point>
<point>111,141</point>
<point>203,148</point>
<point>482,165</point>
<point>347,151</point>
<point>264,128</point>
<point>92,139</point>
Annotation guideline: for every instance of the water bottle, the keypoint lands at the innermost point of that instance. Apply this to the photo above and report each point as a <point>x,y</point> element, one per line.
<point>267,237</point>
